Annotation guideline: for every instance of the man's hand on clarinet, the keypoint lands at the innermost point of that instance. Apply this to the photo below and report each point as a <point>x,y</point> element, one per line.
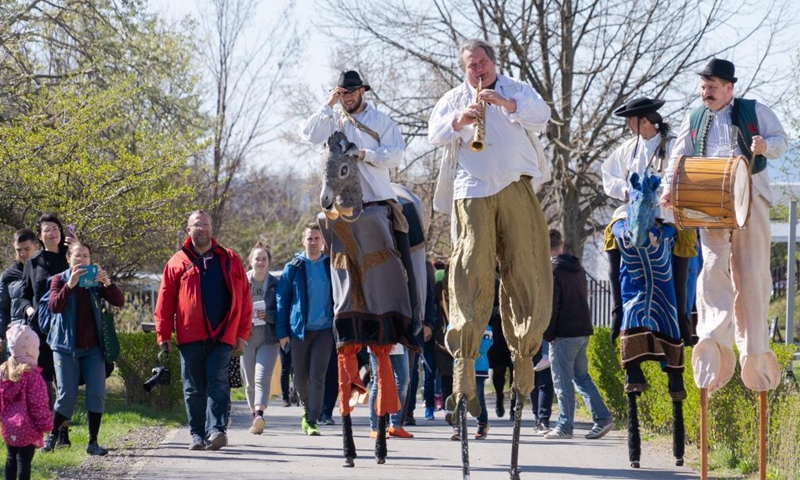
<point>759,145</point>
<point>466,117</point>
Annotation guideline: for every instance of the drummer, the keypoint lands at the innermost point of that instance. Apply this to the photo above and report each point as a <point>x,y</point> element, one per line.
<point>734,287</point>
<point>649,150</point>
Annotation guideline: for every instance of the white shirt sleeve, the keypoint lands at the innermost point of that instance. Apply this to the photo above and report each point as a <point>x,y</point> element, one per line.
<point>615,173</point>
<point>440,125</point>
<point>532,111</point>
<point>770,128</point>
<point>390,152</point>
<point>319,126</point>
<point>683,146</point>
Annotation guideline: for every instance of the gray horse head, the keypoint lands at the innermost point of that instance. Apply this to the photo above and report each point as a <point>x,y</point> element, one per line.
<point>642,208</point>
<point>341,184</point>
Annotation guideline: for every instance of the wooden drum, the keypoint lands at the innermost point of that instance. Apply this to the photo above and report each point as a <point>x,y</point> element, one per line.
<point>711,192</point>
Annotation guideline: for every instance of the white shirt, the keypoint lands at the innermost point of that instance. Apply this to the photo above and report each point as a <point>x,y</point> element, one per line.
<point>720,144</point>
<point>378,159</point>
<point>509,153</point>
<point>620,165</point>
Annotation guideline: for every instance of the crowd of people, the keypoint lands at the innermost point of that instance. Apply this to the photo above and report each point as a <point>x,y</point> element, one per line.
<point>509,304</point>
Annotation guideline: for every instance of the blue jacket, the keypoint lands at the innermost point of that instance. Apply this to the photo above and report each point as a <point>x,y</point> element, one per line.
<point>292,298</point>
<point>482,362</point>
<point>61,336</point>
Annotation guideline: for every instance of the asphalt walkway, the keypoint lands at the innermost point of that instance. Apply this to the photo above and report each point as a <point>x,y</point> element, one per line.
<point>284,452</point>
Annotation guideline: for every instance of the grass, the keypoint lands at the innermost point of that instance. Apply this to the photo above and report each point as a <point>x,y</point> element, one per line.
<point>119,421</point>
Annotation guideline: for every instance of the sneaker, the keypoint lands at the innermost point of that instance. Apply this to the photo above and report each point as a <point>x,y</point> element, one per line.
<point>216,441</point>
<point>374,434</point>
<point>557,434</point>
<point>258,425</point>
<point>63,438</point>
<point>49,443</point>
<point>483,431</point>
<point>543,364</point>
<point>542,428</point>
<point>410,420</point>
<point>326,420</point>
<point>599,431</point>
<point>313,429</point>
<point>456,435</point>
<point>197,444</point>
<point>95,449</point>
<point>429,413</point>
<point>400,432</point>
<point>286,402</point>
<point>304,424</point>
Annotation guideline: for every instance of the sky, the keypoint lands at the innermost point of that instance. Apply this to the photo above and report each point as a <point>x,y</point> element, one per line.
<point>320,77</point>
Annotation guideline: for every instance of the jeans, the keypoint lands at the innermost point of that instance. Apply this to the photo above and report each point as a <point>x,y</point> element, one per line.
<point>411,404</point>
<point>258,362</point>
<point>331,384</point>
<point>286,372</point>
<point>401,379</point>
<point>18,462</point>
<point>542,395</point>
<point>429,373</point>
<point>69,367</point>
<point>480,383</point>
<point>310,357</point>
<point>570,368</point>
<point>206,389</point>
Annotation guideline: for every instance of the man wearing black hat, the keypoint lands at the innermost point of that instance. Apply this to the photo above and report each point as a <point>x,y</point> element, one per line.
<point>648,152</point>
<point>734,286</point>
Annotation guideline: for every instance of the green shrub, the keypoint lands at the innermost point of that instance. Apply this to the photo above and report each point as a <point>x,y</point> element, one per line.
<point>733,418</point>
<point>135,363</point>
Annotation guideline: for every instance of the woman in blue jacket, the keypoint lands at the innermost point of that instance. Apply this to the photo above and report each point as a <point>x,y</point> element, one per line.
<point>75,338</point>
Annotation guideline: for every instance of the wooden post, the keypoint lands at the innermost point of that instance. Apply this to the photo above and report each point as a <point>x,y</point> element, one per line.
<point>762,435</point>
<point>703,434</point>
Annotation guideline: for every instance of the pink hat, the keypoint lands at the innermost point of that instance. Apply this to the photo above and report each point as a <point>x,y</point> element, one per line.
<point>23,343</point>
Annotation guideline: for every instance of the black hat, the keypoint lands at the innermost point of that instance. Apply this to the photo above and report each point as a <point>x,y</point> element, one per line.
<point>719,68</point>
<point>351,81</point>
<point>638,107</point>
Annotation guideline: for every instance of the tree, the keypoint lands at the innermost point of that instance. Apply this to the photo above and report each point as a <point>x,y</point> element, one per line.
<point>246,84</point>
<point>97,121</point>
<point>585,58</point>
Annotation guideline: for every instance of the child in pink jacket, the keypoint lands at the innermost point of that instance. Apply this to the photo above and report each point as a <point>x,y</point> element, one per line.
<point>24,406</point>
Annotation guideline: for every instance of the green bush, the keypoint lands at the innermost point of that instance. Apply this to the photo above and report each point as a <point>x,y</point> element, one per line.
<point>733,419</point>
<point>135,363</point>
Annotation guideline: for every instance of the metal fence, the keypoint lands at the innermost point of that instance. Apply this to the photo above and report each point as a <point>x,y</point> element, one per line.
<point>600,301</point>
<point>779,283</point>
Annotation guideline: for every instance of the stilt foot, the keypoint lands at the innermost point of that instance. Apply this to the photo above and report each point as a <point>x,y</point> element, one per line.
<point>634,464</point>
<point>349,462</point>
<point>678,462</point>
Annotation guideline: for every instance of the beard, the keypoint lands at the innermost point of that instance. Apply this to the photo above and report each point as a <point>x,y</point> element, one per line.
<point>201,240</point>
<point>355,107</point>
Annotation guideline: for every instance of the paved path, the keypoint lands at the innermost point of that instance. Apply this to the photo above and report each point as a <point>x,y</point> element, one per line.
<point>283,452</point>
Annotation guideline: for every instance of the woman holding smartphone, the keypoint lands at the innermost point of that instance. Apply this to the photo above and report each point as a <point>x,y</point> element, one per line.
<point>75,338</point>
<point>261,349</point>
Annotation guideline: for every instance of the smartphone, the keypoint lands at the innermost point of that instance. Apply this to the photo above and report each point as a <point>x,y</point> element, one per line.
<point>89,279</point>
<point>71,231</point>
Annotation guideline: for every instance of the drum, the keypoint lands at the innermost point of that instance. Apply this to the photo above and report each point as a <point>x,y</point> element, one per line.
<point>711,192</point>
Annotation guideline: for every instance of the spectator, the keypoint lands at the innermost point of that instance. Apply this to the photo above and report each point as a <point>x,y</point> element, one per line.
<point>205,297</point>
<point>481,375</point>
<point>50,260</point>
<point>444,360</point>
<point>305,322</point>
<point>261,349</point>
<point>24,407</point>
<point>331,389</point>
<point>12,287</point>
<point>76,340</point>
<point>499,355</point>
<point>542,394</point>
<point>288,392</point>
<point>568,334</point>
<point>425,338</point>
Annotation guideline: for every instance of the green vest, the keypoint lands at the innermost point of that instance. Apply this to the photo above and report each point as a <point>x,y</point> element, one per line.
<point>743,116</point>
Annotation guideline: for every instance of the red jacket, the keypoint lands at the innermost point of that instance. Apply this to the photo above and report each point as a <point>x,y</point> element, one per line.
<point>179,308</point>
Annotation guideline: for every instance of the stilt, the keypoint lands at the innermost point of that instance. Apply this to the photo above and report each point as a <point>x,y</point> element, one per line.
<point>634,437</point>
<point>703,434</point>
<point>380,442</point>
<point>514,470</point>
<point>678,433</point>
<point>762,435</point>
<point>348,444</point>
<point>462,422</point>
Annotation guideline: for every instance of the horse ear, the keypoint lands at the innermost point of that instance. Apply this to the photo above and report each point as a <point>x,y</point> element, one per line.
<point>635,181</point>
<point>351,150</point>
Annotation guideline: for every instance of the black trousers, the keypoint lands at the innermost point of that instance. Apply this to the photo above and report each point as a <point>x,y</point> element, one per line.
<point>18,462</point>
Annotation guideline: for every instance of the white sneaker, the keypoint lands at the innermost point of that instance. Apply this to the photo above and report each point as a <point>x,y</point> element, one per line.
<point>599,431</point>
<point>258,425</point>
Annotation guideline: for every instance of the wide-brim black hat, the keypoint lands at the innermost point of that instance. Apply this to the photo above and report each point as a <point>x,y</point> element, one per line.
<point>639,107</point>
<point>719,68</point>
<point>351,81</point>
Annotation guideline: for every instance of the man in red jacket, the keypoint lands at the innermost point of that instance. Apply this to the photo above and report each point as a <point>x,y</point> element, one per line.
<point>205,298</point>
